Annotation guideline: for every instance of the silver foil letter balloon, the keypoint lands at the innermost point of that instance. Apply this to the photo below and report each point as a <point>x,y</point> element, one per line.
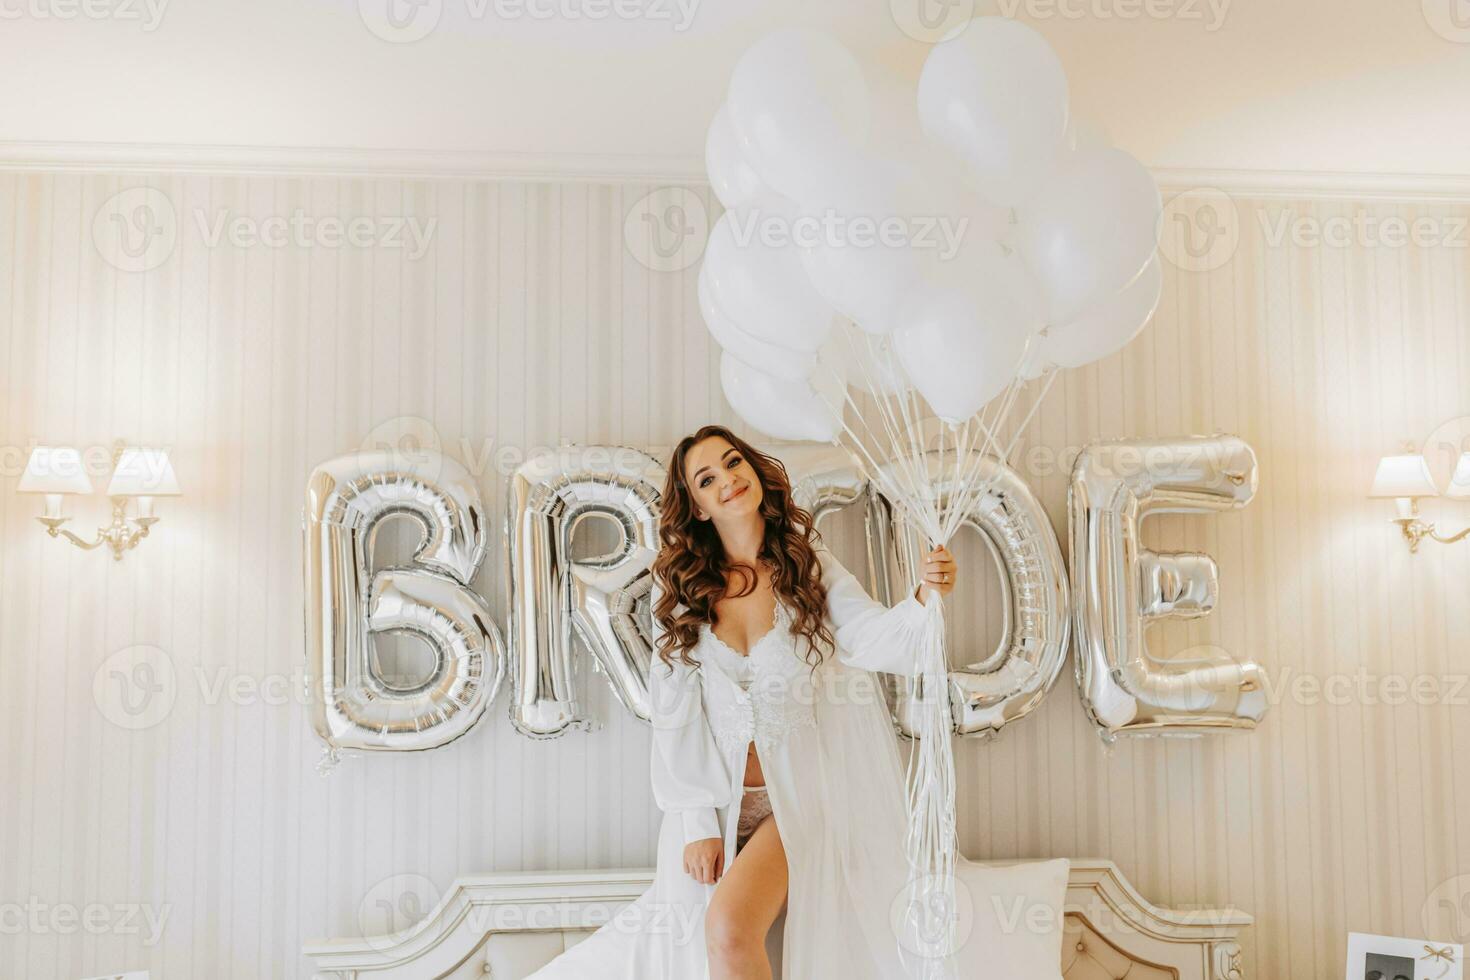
<point>1120,586</point>
<point>824,479</point>
<point>1005,684</point>
<point>353,704</point>
<point>552,593</point>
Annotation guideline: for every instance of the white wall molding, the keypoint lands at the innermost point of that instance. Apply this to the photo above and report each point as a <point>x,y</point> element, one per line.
<point>253,161</point>
<point>1454,188</point>
<point>142,158</point>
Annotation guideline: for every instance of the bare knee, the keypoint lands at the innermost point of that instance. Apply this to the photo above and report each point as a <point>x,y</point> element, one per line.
<point>730,937</point>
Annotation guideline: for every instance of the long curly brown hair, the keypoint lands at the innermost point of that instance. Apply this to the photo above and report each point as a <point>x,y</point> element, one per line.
<point>691,564</point>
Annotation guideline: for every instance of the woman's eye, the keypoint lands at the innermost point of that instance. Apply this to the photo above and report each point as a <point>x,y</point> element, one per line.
<point>734,460</point>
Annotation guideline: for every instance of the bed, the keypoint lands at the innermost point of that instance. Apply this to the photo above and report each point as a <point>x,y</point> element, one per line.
<point>505,926</point>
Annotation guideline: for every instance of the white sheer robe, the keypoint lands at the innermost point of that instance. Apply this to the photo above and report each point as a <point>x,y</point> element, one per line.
<point>829,754</point>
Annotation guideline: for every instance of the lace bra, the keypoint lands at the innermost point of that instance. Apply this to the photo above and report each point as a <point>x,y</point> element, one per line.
<point>770,690</point>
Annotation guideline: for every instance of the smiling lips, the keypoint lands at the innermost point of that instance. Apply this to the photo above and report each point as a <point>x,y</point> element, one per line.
<point>737,493</point>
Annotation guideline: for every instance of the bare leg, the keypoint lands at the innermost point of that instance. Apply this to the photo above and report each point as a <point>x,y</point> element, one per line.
<point>747,900</point>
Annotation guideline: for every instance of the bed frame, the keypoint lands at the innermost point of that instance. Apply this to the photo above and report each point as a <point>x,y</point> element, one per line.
<point>504,926</point>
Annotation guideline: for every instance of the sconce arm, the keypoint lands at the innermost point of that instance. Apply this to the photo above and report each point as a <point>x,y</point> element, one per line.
<point>61,532</point>
<point>121,535</point>
<point>1416,530</point>
<point>1451,539</point>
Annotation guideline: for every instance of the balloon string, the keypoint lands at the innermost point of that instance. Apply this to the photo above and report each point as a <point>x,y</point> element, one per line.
<point>970,488</point>
<point>880,393</point>
<point>857,411</point>
<point>883,474</point>
<point>936,497</point>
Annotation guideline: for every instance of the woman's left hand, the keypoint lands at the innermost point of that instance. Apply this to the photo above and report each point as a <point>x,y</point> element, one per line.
<point>938,572</point>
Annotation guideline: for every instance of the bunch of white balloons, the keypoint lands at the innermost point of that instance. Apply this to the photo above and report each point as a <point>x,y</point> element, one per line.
<point>1001,244</point>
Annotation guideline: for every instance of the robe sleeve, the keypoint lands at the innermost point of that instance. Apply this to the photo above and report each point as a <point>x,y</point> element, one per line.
<point>687,772</point>
<point>870,635</point>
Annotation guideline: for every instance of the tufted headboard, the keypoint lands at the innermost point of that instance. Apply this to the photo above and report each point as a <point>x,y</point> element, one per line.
<point>504,926</point>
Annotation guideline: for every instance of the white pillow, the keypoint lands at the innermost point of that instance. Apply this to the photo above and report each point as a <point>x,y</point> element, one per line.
<point>1014,915</point>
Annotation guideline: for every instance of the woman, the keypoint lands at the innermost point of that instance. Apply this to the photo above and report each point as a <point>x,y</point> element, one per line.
<point>774,758</point>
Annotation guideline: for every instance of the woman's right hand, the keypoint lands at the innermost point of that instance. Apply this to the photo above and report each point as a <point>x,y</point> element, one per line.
<point>704,860</point>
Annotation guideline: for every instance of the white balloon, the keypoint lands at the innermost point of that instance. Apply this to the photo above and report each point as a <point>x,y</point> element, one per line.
<point>1090,230</point>
<point>782,362</point>
<point>734,180</point>
<point>961,343</point>
<point>783,409</point>
<point>869,363</point>
<point>1034,362</point>
<point>756,276</point>
<point>970,250</point>
<point>1086,136</point>
<point>863,257</point>
<point>799,105</point>
<point>1110,326</point>
<point>996,94</point>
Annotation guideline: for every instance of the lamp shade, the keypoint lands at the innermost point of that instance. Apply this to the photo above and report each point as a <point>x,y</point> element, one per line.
<point>143,473</point>
<point>54,469</point>
<point>1459,487</point>
<point>1403,476</point>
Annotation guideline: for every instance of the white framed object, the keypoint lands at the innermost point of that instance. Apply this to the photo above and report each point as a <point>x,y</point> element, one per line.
<point>508,925</point>
<point>1372,957</point>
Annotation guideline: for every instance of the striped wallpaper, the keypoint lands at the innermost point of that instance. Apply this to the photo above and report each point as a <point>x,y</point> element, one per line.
<point>157,760</point>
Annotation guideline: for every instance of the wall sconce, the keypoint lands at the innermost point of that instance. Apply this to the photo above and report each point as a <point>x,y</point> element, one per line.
<point>137,474</point>
<point>1406,478</point>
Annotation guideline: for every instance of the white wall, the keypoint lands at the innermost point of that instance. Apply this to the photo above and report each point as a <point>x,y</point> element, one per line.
<point>528,321</point>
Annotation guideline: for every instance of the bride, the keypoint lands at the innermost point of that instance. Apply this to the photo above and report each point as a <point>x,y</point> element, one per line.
<point>776,766</point>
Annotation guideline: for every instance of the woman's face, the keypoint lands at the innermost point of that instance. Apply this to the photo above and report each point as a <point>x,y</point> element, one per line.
<point>723,484</point>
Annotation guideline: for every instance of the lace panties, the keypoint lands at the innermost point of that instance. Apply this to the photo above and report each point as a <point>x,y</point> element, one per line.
<point>755,806</point>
